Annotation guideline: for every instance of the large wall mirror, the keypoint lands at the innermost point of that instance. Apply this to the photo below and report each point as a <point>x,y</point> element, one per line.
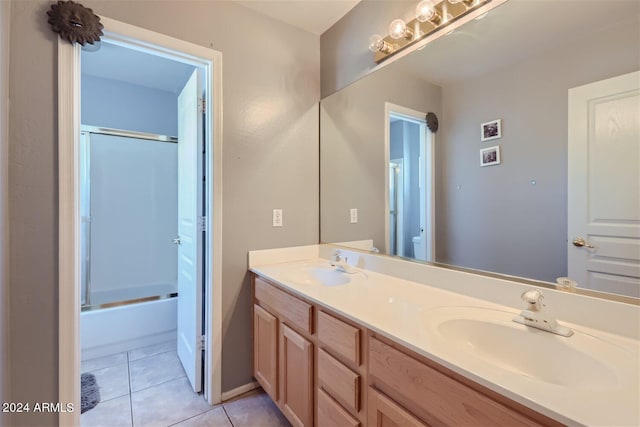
<point>494,189</point>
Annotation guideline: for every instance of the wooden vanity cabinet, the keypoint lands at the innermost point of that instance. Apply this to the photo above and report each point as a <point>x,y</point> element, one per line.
<point>325,370</point>
<point>283,351</point>
<point>419,391</point>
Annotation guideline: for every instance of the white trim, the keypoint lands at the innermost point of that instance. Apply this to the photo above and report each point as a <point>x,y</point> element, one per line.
<point>69,230</point>
<point>430,199</point>
<point>399,250</point>
<point>68,171</point>
<point>227,395</point>
<point>387,160</point>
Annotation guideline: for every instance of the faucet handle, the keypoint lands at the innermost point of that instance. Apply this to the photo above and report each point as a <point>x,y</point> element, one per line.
<point>533,298</point>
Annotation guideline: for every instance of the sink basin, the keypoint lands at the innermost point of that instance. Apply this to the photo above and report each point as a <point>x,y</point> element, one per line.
<point>492,337</point>
<point>316,275</point>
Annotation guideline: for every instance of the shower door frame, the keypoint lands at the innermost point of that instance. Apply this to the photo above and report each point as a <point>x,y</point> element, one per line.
<point>69,245</point>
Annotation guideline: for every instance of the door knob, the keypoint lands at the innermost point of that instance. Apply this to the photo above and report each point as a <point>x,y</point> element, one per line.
<point>579,242</point>
<point>176,241</point>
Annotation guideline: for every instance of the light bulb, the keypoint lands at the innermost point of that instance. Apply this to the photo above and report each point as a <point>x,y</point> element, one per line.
<point>397,29</point>
<point>375,42</point>
<point>425,10</point>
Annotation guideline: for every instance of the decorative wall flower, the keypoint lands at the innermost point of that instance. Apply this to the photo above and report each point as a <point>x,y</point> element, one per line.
<point>75,23</point>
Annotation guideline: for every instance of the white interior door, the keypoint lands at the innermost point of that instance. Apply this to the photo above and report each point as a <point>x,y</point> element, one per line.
<point>604,185</point>
<point>190,284</point>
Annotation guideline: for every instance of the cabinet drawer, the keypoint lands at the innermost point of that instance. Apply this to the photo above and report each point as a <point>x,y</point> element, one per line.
<point>331,414</point>
<point>339,337</point>
<point>296,311</point>
<point>341,382</point>
<point>434,396</point>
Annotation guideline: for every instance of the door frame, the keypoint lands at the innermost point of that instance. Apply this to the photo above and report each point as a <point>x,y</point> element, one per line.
<point>427,142</point>
<point>69,206</point>
<point>399,163</point>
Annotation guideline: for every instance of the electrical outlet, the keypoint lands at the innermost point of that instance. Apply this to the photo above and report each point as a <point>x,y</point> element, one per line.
<point>354,216</point>
<point>277,217</point>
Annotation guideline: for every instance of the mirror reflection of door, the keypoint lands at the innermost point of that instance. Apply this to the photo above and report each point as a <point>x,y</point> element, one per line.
<point>410,191</point>
<point>604,147</point>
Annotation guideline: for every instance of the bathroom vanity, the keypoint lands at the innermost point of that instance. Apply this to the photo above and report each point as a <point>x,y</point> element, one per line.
<point>366,348</point>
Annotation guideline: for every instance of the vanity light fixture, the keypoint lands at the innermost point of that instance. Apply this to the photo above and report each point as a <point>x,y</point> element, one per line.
<point>430,16</point>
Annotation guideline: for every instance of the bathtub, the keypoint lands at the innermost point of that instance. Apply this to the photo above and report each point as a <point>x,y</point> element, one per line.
<point>142,316</point>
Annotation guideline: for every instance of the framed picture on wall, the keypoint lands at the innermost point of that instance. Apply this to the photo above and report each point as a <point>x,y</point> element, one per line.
<point>490,156</point>
<point>491,130</point>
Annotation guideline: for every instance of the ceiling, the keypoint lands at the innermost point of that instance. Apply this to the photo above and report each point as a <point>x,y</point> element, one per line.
<point>134,67</point>
<point>138,68</point>
<point>315,16</point>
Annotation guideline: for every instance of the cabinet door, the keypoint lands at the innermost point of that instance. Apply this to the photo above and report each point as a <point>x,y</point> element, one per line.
<point>296,377</point>
<point>384,412</point>
<point>265,350</point>
<point>331,414</point>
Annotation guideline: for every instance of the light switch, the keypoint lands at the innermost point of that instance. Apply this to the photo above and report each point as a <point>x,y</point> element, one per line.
<point>277,217</point>
<point>354,216</point>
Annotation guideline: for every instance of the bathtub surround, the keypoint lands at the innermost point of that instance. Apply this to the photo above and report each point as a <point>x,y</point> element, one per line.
<point>112,330</point>
<point>133,188</point>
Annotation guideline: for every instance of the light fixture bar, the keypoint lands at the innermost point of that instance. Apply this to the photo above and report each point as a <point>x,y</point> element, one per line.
<point>445,13</point>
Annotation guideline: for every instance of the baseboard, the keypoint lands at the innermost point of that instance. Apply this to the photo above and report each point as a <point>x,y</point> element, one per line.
<point>226,395</point>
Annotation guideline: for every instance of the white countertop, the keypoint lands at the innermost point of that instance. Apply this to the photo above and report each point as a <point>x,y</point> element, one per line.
<point>400,309</point>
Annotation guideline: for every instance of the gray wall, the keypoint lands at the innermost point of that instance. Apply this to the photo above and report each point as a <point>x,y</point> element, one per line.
<point>271,91</point>
<point>115,104</point>
<point>497,207</point>
<point>352,165</point>
<point>4,194</point>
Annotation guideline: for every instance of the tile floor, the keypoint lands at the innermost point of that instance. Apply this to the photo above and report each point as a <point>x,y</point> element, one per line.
<point>148,387</point>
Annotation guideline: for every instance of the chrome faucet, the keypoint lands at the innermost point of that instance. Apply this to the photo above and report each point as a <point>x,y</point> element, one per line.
<point>338,263</point>
<point>534,316</point>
